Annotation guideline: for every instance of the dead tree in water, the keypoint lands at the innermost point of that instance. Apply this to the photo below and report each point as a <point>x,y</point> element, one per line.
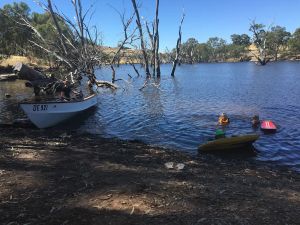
<point>150,34</point>
<point>143,46</point>
<point>156,43</point>
<point>128,39</point>
<point>178,46</point>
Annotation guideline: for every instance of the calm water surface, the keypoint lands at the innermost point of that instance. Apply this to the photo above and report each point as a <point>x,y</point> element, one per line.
<point>182,113</point>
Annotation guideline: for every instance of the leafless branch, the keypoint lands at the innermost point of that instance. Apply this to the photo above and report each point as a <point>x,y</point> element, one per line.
<point>53,15</point>
<point>178,46</point>
<point>51,53</point>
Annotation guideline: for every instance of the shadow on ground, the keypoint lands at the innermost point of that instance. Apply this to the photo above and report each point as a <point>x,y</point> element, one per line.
<point>63,178</point>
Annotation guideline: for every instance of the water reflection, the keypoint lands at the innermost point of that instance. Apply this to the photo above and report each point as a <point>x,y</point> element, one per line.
<point>152,103</point>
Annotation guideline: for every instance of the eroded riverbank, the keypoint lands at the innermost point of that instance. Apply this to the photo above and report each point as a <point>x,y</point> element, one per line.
<point>62,178</point>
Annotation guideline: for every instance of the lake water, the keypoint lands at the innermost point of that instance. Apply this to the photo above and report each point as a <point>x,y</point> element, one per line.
<point>182,112</point>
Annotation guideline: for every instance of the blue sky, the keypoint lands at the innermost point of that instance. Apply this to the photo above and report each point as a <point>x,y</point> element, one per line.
<point>204,19</point>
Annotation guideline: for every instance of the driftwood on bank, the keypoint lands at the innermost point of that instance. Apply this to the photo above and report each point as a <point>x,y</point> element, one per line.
<point>26,73</point>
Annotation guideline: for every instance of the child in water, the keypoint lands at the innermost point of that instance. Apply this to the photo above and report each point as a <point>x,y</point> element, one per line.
<point>255,121</point>
<point>223,119</point>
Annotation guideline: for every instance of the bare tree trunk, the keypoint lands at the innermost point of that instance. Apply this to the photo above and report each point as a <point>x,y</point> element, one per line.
<point>276,53</point>
<point>156,42</point>
<point>152,44</point>
<point>135,69</point>
<point>138,22</point>
<point>79,18</point>
<point>57,27</point>
<point>113,76</point>
<point>178,45</point>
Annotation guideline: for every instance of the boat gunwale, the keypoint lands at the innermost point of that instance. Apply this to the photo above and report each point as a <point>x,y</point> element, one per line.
<point>57,102</point>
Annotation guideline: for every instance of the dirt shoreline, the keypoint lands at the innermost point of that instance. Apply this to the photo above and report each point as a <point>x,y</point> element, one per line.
<point>54,177</point>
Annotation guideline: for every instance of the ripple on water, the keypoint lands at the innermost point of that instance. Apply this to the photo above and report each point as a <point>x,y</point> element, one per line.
<point>182,113</point>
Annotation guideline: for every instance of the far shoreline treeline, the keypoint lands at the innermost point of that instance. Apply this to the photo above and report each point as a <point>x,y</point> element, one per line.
<point>264,45</point>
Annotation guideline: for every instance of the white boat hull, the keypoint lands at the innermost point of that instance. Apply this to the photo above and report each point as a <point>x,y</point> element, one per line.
<point>49,114</point>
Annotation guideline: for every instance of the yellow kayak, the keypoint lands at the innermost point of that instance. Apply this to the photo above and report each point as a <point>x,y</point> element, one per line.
<point>229,143</point>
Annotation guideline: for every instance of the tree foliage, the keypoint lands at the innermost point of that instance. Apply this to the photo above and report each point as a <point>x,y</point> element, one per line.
<point>16,39</point>
<point>240,39</point>
<point>278,37</point>
<point>13,36</point>
<point>269,44</point>
<point>294,42</point>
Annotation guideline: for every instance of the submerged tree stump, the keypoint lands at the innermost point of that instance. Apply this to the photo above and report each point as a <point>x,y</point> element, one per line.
<point>26,73</point>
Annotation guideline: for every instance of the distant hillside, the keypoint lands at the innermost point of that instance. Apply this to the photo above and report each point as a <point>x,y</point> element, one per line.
<point>126,56</point>
<point>13,59</point>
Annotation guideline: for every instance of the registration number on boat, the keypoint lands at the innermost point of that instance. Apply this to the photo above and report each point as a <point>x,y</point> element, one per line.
<point>39,108</point>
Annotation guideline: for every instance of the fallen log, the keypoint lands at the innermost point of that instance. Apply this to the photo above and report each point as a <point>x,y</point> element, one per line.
<point>8,77</point>
<point>26,73</point>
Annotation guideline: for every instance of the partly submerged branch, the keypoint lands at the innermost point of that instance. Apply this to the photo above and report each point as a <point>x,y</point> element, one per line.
<point>148,83</point>
<point>102,83</point>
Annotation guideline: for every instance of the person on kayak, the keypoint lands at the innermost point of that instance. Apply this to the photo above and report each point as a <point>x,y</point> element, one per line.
<point>223,119</point>
<point>255,121</point>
